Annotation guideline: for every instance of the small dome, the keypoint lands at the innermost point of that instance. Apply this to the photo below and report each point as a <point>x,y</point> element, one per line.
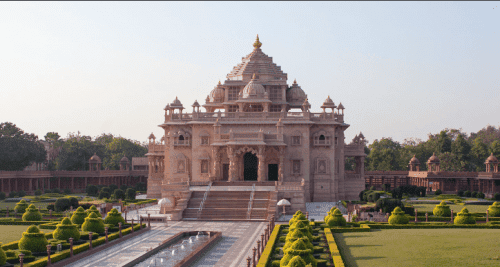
<point>340,106</point>
<point>295,94</point>
<point>124,159</point>
<point>433,159</point>
<point>217,94</point>
<point>328,103</point>
<point>491,159</point>
<point>253,89</point>
<point>95,158</point>
<point>167,107</point>
<point>196,104</point>
<point>414,160</point>
<point>176,103</point>
<point>152,136</point>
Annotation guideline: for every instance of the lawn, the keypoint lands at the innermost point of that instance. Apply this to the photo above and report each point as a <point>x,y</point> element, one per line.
<point>456,208</point>
<point>421,247</point>
<point>9,233</point>
<point>11,205</point>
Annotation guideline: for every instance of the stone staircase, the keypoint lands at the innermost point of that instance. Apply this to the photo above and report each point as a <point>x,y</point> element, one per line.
<point>228,205</point>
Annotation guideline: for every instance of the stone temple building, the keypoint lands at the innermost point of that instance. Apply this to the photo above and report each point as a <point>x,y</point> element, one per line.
<point>256,138</point>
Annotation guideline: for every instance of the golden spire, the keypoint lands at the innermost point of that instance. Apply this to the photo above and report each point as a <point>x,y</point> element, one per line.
<point>253,77</point>
<point>219,82</point>
<point>257,44</point>
<point>294,81</point>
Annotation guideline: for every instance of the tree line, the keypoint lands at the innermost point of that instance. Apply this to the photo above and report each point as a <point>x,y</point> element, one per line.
<point>72,153</point>
<point>456,150</point>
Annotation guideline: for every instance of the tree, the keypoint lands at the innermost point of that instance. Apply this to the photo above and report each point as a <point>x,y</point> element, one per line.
<point>18,149</point>
<point>118,194</point>
<point>120,147</point>
<point>92,190</point>
<point>55,146</point>
<point>76,152</point>
<point>443,142</point>
<point>384,155</point>
<point>479,153</point>
<point>461,149</point>
<point>495,148</point>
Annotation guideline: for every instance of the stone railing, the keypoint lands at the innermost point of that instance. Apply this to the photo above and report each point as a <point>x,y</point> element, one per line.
<point>156,148</point>
<point>443,174</point>
<point>274,116</point>
<point>353,176</point>
<point>367,173</point>
<point>290,186</point>
<point>49,174</point>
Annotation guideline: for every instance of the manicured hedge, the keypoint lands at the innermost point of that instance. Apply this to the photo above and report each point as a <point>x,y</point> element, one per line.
<point>334,250</point>
<point>265,257</point>
<point>432,226</point>
<point>361,228</point>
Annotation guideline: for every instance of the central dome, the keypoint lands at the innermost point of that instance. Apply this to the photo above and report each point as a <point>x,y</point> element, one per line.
<point>253,89</point>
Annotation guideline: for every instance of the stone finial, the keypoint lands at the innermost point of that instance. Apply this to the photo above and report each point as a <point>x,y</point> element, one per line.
<point>294,81</point>
<point>219,82</point>
<point>253,77</point>
<point>257,43</point>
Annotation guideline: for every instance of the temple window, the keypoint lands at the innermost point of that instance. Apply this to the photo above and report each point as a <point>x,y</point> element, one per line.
<point>232,108</point>
<point>295,166</point>
<point>275,108</point>
<point>322,139</point>
<point>204,166</point>
<point>233,93</point>
<point>181,166</point>
<point>204,140</point>
<point>295,140</point>
<point>275,93</point>
<point>254,108</point>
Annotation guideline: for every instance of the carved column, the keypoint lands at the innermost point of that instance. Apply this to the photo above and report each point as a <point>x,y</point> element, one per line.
<point>232,163</point>
<point>216,161</point>
<point>262,158</point>
<point>281,164</point>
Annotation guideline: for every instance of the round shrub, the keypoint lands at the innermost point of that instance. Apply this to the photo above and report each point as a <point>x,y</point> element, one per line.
<point>32,214</point>
<point>79,216</point>
<point>467,193</point>
<point>67,191</point>
<point>336,219</point>
<point>65,230</point>
<point>93,224</point>
<point>130,193</point>
<point>474,194</point>
<point>329,213</point>
<point>388,204</point>
<point>3,257</point>
<point>12,194</point>
<point>38,192</point>
<point>21,206</point>
<point>464,217</point>
<point>460,193</point>
<point>497,196</point>
<point>398,217</point>
<point>124,187</point>
<point>103,194</point>
<point>114,217</point>
<point>106,189</point>
<point>92,190</point>
<point>62,204</point>
<point>56,190</point>
<point>48,191</point>
<point>112,188</point>
<point>21,193</point>
<point>118,194</point>
<point>438,192</point>
<point>442,210</point>
<point>296,261</point>
<point>2,195</point>
<point>94,210</point>
<point>33,240</point>
<point>480,195</point>
<point>494,209</point>
<point>298,248</point>
<point>51,207</point>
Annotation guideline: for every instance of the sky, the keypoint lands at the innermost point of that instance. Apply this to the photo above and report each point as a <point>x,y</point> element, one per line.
<point>401,69</point>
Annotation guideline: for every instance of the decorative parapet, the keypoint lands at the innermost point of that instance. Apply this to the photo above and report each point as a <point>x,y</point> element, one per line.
<point>290,186</point>
<point>368,173</point>
<point>443,174</point>
<point>267,116</point>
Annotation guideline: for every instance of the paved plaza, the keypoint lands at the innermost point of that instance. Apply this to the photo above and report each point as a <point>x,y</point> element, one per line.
<point>232,251</point>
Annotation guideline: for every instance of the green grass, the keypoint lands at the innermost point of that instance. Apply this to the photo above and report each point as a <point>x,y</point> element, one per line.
<point>9,233</point>
<point>456,208</point>
<point>421,247</point>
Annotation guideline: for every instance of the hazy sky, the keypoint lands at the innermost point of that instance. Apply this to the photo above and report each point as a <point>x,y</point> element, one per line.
<point>401,69</point>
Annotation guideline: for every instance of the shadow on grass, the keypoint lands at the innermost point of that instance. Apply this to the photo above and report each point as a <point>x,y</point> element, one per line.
<point>368,258</point>
<point>345,252</point>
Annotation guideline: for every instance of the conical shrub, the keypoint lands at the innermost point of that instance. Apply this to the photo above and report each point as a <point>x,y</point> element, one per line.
<point>398,217</point>
<point>79,216</point>
<point>93,223</point>
<point>32,214</point>
<point>296,261</point>
<point>494,209</point>
<point>95,210</point>
<point>114,217</point>
<point>33,240</point>
<point>464,217</point>
<point>442,210</point>
<point>303,227</point>
<point>297,213</point>
<point>336,219</point>
<point>65,230</point>
<point>329,213</point>
<point>21,206</point>
<point>298,248</point>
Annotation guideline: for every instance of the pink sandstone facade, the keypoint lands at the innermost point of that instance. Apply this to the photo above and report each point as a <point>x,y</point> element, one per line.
<point>256,129</point>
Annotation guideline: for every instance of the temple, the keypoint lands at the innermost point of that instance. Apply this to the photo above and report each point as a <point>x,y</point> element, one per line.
<point>258,139</point>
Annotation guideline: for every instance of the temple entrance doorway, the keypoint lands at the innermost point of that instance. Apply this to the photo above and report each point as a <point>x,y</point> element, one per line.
<point>225,172</point>
<point>272,172</point>
<point>250,165</point>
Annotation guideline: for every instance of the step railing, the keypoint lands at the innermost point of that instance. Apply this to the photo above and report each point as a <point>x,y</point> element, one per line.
<point>249,211</point>
<point>202,203</point>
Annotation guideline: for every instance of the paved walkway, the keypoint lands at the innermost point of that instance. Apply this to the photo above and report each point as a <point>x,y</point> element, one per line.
<point>238,240</point>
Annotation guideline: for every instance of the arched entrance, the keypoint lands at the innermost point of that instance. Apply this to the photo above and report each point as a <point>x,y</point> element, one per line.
<point>250,165</point>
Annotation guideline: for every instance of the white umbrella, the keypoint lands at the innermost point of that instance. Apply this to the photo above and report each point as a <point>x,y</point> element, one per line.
<point>284,203</point>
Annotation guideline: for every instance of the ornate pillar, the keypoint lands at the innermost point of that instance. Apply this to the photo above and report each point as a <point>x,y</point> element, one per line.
<point>262,158</point>
<point>216,162</point>
<point>281,164</point>
<point>232,164</point>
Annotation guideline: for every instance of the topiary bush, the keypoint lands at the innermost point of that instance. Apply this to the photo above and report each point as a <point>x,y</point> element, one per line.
<point>65,230</point>
<point>474,194</point>
<point>67,191</point>
<point>467,193</point>
<point>480,195</point>
<point>32,214</point>
<point>118,194</point>
<point>460,193</point>
<point>92,190</point>
<point>94,210</point>
<point>21,193</point>
<point>112,188</point>
<point>21,206</point>
<point>303,227</point>
<point>62,204</point>
<point>442,210</point>
<point>388,204</point>
<point>3,257</point>
<point>296,261</point>
<point>297,213</point>
<point>494,209</point>
<point>438,192</point>
<point>114,217</point>
<point>56,190</point>
<point>73,202</point>
<point>79,216</point>
<point>130,194</point>
<point>47,191</point>
<point>33,240</point>
<point>103,194</point>
<point>298,248</point>
<point>93,223</point>
<point>2,195</point>
<point>12,194</point>
<point>464,217</point>
<point>38,192</point>
<point>336,219</point>
<point>398,217</point>
<point>497,196</point>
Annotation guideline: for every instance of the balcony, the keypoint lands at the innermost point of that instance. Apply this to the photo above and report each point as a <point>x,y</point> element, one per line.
<point>265,116</point>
